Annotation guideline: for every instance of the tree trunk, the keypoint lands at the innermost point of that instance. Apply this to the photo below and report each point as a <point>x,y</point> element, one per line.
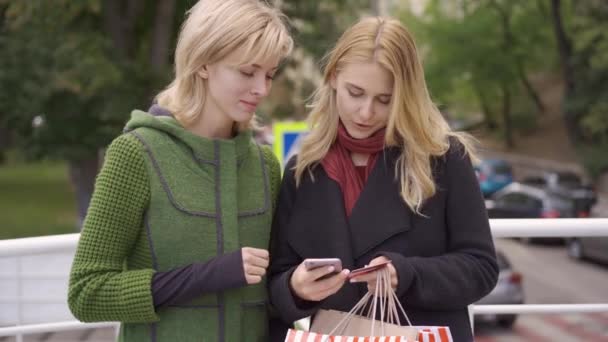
<point>161,36</point>
<point>508,43</point>
<point>563,43</point>
<point>521,72</point>
<point>114,25</point>
<point>488,117</point>
<point>4,142</point>
<point>506,116</point>
<point>119,18</point>
<point>565,54</point>
<point>133,10</point>
<point>82,175</point>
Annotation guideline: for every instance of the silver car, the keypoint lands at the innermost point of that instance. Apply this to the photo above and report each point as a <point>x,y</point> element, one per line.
<point>508,290</point>
<point>592,248</point>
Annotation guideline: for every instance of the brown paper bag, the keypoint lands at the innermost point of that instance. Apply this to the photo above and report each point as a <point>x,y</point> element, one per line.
<point>326,320</point>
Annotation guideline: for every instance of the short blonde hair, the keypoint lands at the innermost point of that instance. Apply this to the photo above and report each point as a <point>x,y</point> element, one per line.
<point>415,125</point>
<point>214,29</point>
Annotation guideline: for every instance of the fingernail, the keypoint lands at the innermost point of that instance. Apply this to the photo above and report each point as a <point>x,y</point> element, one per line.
<point>330,269</point>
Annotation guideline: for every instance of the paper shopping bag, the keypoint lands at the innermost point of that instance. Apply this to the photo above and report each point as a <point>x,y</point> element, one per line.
<point>332,325</point>
<point>434,334</point>
<point>425,334</point>
<point>305,336</point>
<point>326,320</point>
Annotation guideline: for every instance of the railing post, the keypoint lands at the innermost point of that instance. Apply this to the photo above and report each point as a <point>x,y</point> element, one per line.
<point>20,320</point>
<point>471,309</point>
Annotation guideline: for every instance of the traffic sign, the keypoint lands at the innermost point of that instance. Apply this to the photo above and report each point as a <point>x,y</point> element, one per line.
<point>287,138</point>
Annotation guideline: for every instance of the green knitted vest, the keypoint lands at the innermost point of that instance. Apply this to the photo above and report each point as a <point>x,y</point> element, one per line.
<point>204,204</point>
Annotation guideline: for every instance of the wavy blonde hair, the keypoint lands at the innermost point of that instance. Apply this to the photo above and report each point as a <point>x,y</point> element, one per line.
<point>415,125</point>
<point>214,29</point>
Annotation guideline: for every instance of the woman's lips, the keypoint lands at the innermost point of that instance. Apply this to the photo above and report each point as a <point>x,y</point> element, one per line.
<point>363,126</point>
<point>251,106</point>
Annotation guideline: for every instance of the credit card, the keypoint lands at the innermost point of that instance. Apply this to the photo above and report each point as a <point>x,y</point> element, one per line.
<point>368,269</point>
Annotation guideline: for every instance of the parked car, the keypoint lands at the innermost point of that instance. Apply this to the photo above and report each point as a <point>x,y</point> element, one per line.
<point>493,175</point>
<point>566,184</point>
<point>592,248</point>
<point>509,290</point>
<point>523,201</point>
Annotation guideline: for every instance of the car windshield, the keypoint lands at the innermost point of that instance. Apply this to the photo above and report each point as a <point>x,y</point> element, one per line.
<point>502,169</point>
<point>568,180</point>
<point>536,181</point>
<point>560,203</point>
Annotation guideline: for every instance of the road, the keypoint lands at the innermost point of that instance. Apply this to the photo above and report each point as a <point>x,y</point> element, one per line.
<point>550,277</point>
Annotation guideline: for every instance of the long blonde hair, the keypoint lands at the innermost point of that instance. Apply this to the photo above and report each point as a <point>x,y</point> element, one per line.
<point>415,125</point>
<point>214,29</point>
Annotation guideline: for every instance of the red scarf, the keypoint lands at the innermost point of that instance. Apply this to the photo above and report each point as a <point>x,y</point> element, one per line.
<point>339,166</point>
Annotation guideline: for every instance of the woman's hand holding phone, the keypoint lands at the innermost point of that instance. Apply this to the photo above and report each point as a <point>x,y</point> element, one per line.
<point>317,283</point>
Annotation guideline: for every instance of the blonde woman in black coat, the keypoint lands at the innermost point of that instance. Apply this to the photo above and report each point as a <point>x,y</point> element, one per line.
<point>381,176</point>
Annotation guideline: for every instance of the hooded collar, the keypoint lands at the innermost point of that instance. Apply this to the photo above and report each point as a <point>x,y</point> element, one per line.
<point>162,119</point>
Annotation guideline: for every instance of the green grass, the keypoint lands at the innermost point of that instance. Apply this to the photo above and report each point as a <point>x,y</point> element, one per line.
<point>35,199</point>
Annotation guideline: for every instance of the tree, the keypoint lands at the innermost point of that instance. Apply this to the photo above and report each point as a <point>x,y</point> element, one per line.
<point>75,69</point>
<point>483,51</point>
<point>580,31</point>
<point>319,23</point>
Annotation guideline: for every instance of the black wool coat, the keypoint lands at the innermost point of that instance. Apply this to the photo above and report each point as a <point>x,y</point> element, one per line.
<point>445,260</point>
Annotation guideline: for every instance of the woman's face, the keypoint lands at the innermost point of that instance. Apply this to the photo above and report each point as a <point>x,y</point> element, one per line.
<point>234,91</point>
<point>363,97</point>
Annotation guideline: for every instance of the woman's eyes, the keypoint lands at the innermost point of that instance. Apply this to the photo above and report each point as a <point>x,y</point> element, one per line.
<point>251,74</point>
<point>354,94</point>
<point>382,100</point>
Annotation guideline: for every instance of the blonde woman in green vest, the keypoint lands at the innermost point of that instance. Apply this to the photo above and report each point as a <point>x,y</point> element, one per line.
<point>174,242</point>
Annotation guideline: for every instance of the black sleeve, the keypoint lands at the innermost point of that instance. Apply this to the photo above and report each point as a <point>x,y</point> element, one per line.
<point>468,271</point>
<point>183,284</point>
<point>283,259</point>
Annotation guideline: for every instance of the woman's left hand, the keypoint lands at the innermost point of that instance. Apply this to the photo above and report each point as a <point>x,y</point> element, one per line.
<point>370,278</point>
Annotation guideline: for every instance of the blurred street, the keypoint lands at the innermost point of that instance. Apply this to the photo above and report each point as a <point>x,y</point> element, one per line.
<point>551,277</point>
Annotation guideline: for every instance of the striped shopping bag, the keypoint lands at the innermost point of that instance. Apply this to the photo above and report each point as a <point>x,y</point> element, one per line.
<point>425,334</point>
<point>306,336</point>
<point>337,326</point>
<point>434,334</point>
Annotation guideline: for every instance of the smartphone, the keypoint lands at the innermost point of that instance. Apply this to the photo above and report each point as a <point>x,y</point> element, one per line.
<point>368,269</point>
<point>311,264</point>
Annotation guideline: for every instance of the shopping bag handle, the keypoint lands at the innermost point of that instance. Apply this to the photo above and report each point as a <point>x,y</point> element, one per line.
<point>383,297</point>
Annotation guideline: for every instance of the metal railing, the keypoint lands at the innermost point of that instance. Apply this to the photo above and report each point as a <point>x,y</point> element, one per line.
<point>500,228</point>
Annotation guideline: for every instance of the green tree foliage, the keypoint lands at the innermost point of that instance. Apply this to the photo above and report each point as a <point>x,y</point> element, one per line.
<point>73,70</point>
<point>581,32</point>
<point>481,52</point>
<point>318,23</point>
<point>484,52</point>
<point>590,29</point>
<point>65,69</point>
